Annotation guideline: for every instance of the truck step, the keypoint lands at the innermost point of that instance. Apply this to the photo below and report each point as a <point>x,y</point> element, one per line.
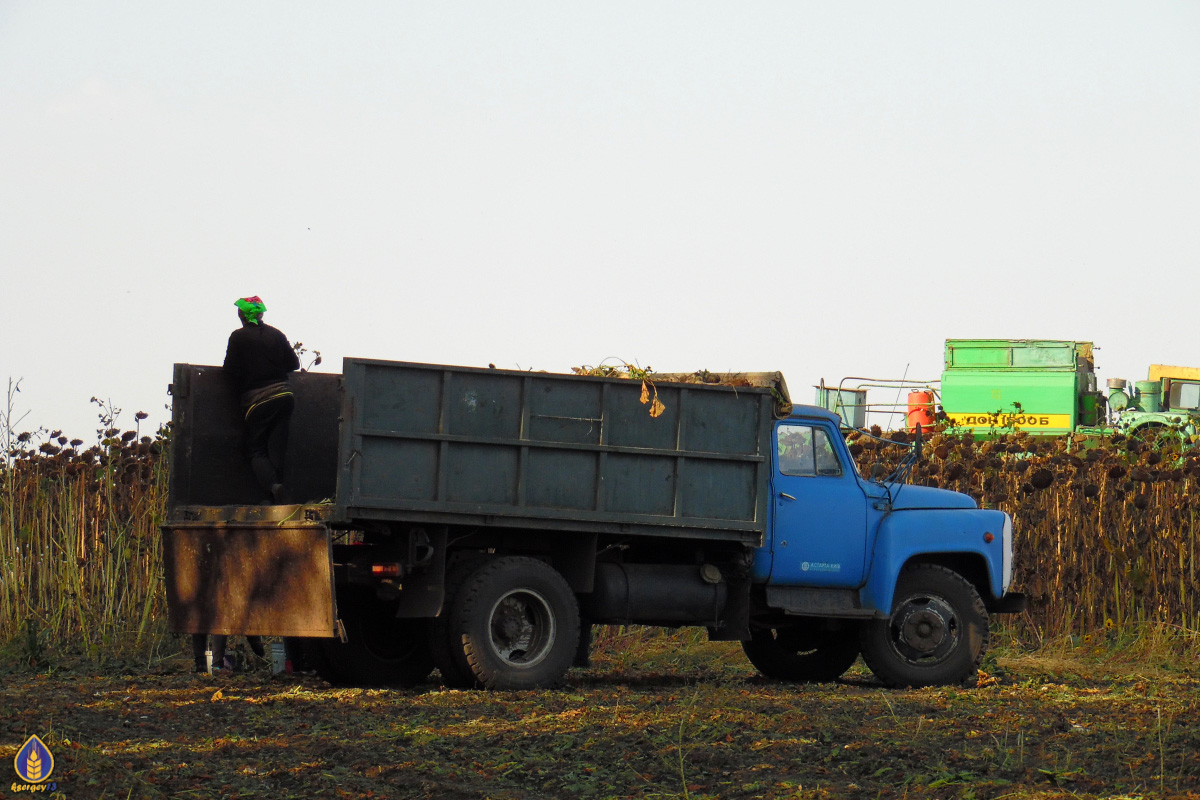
<point>817,602</point>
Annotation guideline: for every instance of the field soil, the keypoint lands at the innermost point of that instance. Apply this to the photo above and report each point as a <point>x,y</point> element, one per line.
<point>654,716</point>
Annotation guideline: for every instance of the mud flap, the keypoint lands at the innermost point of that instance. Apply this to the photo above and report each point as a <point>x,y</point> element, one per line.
<point>252,575</point>
<point>1011,603</point>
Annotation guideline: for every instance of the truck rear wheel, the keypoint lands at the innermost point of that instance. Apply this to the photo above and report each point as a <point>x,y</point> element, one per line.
<point>801,653</point>
<point>937,632</point>
<point>518,622</point>
<point>445,645</point>
<point>380,650</point>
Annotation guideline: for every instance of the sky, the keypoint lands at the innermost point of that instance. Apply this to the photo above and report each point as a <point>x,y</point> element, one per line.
<point>824,189</point>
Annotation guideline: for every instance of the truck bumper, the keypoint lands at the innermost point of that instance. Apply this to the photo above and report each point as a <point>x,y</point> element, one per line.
<point>1011,603</point>
<point>256,570</point>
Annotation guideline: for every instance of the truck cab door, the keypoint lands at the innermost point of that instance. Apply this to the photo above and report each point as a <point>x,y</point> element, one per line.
<point>819,531</point>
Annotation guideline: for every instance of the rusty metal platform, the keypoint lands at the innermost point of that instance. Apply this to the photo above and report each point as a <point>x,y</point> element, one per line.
<point>265,570</point>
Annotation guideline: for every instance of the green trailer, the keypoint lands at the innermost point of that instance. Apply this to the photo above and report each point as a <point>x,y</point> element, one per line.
<point>1046,387</point>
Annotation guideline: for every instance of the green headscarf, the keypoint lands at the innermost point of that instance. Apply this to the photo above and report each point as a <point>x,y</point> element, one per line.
<point>251,308</point>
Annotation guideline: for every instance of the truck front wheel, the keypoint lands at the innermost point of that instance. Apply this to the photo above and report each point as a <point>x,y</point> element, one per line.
<point>937,632</point>
<point>801,653</point>
<point>518,623</point>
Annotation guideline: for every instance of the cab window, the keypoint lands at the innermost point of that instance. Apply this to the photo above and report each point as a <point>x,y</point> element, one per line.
<point>806,451</point>
<point>1185,395</point>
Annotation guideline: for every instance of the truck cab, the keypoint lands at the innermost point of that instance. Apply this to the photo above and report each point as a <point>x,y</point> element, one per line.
<point>911,569</point>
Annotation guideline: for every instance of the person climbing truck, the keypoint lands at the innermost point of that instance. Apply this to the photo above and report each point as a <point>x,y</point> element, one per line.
<point>258,358</point>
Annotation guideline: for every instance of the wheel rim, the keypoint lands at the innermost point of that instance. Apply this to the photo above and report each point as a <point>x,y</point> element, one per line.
<point>924,630</point>
<point>522,628</point>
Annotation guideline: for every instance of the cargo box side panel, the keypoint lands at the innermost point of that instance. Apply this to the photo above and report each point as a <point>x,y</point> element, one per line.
<point>1047,399</point>
<point>627,422</point>
<point>1015,354</point>
<point>544,450</point>
<point>265,579</point>
<point>208,462</point>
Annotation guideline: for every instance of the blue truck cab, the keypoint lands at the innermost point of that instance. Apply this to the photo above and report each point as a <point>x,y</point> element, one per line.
<point>912,570</point>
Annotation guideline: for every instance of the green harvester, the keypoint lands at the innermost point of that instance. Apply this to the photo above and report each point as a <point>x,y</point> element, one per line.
<point>1046,387</point>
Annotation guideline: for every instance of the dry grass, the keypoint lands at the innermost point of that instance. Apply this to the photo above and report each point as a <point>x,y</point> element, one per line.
<point>669,716</point>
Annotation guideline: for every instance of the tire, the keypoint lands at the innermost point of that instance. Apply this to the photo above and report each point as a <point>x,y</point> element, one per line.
<point>801,653</point>
<point>518,622</point>
<point>1157,435</point>
<point>445,648</point>
<point>380,650</point>
<point>936,634</point>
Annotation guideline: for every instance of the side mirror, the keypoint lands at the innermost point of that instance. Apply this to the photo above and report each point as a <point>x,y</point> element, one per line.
<point>878,471</point>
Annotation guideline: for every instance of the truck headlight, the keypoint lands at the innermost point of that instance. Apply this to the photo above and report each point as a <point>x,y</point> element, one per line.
<point>1007,567</point>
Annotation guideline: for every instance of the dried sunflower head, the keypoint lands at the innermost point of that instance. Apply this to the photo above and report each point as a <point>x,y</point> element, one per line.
<point>1041,478</point>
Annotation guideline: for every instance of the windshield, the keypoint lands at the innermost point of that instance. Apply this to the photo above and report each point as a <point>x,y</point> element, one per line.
<point>1185,395</point>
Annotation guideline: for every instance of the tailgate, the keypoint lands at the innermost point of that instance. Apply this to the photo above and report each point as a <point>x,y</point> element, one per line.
<point>258,570</point>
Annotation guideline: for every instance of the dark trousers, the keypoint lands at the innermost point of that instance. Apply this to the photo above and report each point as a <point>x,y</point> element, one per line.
<point>200,644</point>
<point>267,440</point>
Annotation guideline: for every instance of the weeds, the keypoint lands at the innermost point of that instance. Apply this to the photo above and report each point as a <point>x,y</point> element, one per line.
<point>80,553</point>
<point>629,372</point>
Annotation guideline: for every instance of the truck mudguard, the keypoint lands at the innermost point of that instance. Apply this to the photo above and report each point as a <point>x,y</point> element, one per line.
<point>962,533</point>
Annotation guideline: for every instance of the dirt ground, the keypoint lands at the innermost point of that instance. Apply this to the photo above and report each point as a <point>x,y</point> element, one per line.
<point>653,717</point>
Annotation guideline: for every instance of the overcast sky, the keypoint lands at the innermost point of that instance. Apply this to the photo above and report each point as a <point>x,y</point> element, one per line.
<point>826,189</point>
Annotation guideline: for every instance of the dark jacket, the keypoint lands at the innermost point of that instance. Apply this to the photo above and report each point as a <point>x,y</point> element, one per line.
<point>259,355</point>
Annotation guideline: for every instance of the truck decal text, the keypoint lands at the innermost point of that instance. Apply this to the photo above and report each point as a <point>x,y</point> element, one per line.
<point>1010,420</point>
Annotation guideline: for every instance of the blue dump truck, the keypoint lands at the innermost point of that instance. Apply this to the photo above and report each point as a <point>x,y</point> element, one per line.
<point>480,521</point>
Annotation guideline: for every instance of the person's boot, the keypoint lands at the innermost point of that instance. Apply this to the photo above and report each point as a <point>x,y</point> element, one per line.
<point>199,645</point>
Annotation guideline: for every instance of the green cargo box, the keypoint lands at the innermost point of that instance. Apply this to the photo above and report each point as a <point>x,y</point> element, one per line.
<point>1046,387</point>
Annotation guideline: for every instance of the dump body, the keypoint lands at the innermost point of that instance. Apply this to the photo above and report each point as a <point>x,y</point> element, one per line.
<point>454,445</point>
<point>1045,387</point>
<point>395,441</point>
